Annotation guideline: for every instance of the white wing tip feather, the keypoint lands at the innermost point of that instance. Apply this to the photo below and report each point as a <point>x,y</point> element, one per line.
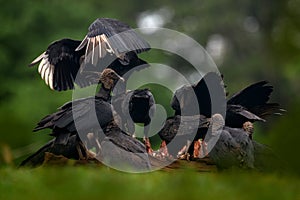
<point>38,59</point>
<point>51,77</point>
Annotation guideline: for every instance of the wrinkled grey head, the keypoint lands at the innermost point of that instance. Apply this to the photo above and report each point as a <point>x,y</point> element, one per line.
<point>218,123</point>
<point>109,78</point>
<point>249,128</point>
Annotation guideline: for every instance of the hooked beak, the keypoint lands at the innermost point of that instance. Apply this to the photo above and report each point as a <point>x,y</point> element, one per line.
<point>118,78</point>
<point>205,123</point>
<point>121,79</point>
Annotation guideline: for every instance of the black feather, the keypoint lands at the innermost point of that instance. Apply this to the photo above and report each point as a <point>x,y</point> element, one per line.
<point>121,36</point>
<point>251,104</point>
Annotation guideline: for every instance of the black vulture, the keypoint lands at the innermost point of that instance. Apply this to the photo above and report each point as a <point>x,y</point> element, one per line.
<point>85,115</point>
<point>122,151</point>
<point>243,108</point>
<point>233,148</point>
<point>250,104</point>
<point>118,150</point>
<point>136,106</point>
<point>63,59</point>
<point>78,116</point>
<point>195,102</point>
<point>178,132</point>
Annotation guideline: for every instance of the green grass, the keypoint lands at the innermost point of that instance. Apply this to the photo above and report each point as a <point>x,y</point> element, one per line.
<point>103,183</point>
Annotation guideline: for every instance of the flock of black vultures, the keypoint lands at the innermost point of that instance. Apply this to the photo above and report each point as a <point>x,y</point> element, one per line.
<point>100,128</point>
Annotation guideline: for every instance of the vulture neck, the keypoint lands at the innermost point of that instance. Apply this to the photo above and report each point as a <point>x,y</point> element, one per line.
<point>104,93</point>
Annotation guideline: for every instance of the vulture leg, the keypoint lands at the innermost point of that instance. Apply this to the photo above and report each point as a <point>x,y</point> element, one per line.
<point>83,152</point>
<point>164,149</point>
<point>200,149</point>
<point>183,153</point>
<point>197,148</point>
<point>147,141</point>
<point>93,142</point>
<point>204,149</point>
<point>162,152</point>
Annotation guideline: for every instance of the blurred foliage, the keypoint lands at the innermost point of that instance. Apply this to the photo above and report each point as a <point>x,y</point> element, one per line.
<point>284,141</point>
<point>95,183</point>
<point>261,38</point>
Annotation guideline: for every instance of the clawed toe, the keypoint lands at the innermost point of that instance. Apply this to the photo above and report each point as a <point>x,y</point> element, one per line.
<point>200,149</point>
<point>162,152</point>
<point>183,153</point>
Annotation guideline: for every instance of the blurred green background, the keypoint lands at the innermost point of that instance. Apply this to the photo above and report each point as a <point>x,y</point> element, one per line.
<point>249,40</point>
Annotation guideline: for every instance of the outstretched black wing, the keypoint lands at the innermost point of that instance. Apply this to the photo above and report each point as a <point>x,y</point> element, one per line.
<point>78,115</point>
<point>107,35</point>
<point>67,61</point>
<point>60,63</point>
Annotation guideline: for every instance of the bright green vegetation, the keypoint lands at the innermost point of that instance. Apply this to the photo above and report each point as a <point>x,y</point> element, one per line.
<point>268,52</point>
<point>103,183</point>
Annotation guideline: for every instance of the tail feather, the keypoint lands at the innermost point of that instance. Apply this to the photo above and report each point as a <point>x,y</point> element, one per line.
<point>68,150</point>
<point>255,99</point>
<point>268,109</point>
<point>38,157</point>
